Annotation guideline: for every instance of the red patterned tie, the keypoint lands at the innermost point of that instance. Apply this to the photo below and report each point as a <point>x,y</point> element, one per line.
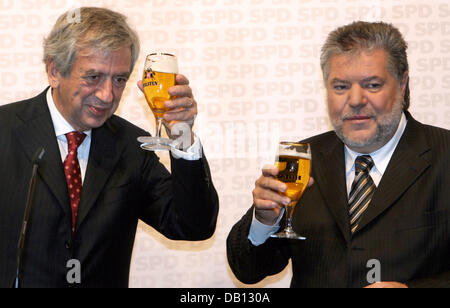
<point>73,172</point>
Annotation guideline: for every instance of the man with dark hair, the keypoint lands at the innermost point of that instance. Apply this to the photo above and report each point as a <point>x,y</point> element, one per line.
<point>94,182</point>
<point>378,212</point>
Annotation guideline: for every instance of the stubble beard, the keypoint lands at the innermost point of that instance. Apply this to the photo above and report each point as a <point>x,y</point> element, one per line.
<point>385,128</point>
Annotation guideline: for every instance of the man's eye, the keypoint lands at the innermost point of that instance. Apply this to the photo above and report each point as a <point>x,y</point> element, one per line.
<point>121,80</point>
<point>374,85</point>
<point>340,87</point>
<point>92,78</point>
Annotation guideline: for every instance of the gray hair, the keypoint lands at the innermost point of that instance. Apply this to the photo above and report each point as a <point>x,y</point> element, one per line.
<point>93,28</point>
<point>359,36</point>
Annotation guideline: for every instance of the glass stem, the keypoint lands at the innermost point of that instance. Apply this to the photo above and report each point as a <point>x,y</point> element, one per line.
<point>289,217</point>
<point>158,126</point>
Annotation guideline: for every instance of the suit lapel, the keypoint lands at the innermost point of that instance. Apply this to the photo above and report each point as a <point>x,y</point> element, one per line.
<point>36,130</point>
<point>103,156</point>
<point>330,177</point>
<point>406,165</point>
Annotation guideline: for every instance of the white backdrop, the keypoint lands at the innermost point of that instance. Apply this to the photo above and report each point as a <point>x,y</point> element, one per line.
<point>254,68</point>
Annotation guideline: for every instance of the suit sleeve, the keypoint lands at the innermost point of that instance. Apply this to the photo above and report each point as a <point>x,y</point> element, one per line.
<point>182,205</point>
<point>249,263</point>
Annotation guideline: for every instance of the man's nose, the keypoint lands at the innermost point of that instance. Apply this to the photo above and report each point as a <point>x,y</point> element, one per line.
<point>105,91</point>
<point>357,96</point>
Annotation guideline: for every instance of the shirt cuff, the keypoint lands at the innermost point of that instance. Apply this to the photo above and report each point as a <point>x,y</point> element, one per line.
<point>259,233</point>
<point>194,152</point>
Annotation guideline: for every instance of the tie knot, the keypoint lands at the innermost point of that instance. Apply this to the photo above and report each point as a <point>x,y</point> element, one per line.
<point>363,163</point>
<point>74,139</point>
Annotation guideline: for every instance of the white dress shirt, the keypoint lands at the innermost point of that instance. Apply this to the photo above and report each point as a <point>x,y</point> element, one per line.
<point>63,127</point>
<point>260,232</point>
<point>380,157</point>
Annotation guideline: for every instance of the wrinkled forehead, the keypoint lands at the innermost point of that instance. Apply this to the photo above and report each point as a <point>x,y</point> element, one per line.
<point>106,61</point>
<point>377,55</point>
<point>366,62</point>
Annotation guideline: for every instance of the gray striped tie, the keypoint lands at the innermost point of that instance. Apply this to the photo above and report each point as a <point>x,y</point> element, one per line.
<point>362,190</point>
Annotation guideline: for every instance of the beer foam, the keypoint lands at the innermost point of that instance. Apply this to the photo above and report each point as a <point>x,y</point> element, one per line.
<point>163,63</point>
<point>292,151</point>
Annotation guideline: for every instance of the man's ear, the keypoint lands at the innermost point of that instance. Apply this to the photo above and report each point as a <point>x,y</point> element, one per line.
<point>53,75</point>
<point>404,82</point>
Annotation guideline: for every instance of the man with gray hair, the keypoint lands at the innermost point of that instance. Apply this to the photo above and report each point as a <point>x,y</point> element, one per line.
<point>94,182</point>
<point>377,211</point>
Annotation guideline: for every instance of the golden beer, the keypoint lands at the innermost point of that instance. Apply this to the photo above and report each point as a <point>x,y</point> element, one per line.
<point>294,171</point>
<point>156,86</point>
<point>294,165</point>
<point>159,75</point>
<point>160,70</point>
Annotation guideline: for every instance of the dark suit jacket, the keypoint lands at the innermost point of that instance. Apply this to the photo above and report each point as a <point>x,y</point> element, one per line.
<point>406,227</point>
<point>122,184</point>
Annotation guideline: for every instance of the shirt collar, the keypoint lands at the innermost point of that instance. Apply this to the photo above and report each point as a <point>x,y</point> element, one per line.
<point>382,156</point>
<point>60,124</point>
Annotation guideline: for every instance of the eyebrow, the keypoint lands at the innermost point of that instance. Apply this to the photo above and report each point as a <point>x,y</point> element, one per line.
<point>337,80</point>
<point>367,79</point>
<point>372,78</point>
<point>93,71</point>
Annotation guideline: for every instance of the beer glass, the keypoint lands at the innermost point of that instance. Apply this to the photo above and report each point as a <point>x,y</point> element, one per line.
<point>294,165</point>
<point>160,70</point>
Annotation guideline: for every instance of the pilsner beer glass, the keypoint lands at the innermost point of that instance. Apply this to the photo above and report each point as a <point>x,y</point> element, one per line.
<point>294,165</point>
<point>160,70</point>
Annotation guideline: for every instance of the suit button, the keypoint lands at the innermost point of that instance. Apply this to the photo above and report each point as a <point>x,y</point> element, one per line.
<point>67,245</point>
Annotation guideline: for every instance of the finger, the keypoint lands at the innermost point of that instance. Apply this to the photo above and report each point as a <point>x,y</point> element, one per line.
<point>181,87</point>
<point>267,205</point>
<point>180,90</point>
<point>263,193</point>
<point>140,85</point>
<point>311,181</point>
<point>180,103</point>
<point>186,115</point>
<point>181,109</point>
<point>266,182</point>
<point>181,79</point>
<point>270,171</point>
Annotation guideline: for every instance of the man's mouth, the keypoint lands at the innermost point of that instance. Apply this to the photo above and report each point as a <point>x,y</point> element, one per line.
<point>98,111</point>
<point>357,118</point>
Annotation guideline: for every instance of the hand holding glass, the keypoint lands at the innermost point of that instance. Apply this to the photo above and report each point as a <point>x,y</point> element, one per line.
<point>294,165</point>
<point>160,70</point>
